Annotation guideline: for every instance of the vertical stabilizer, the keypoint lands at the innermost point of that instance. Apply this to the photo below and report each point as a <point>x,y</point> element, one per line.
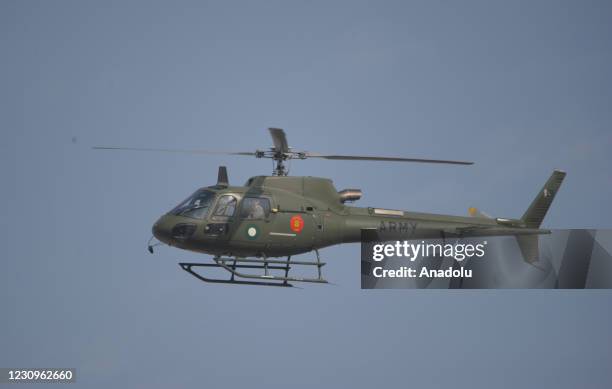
<point>536,212</point>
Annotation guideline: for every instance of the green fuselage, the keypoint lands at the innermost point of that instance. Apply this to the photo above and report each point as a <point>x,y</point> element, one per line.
<point>300,214</point>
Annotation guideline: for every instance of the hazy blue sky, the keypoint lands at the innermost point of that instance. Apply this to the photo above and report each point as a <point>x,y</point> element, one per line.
<point>519,87</point>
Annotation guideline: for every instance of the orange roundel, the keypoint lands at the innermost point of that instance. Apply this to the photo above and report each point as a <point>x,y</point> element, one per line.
<point>296,224</point>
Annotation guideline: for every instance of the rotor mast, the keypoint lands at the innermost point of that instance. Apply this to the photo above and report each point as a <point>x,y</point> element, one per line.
<point>279,168</point>
<point>281,151</point>
<point>278,159</point>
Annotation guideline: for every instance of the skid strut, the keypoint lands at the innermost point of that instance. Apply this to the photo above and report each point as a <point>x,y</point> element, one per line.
<point>235,266</point>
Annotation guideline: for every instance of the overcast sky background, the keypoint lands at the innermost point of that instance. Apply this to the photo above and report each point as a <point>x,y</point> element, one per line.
<point>519,87</point>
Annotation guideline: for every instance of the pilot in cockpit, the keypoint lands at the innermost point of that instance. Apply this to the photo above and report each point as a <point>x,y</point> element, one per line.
<point>257,210</point>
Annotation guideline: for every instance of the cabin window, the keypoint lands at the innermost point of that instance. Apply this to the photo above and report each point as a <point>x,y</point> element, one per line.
<point>254,208</point>
<point>226,206</point>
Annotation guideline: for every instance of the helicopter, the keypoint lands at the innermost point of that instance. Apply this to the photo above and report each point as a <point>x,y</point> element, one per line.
<point>248,228</point>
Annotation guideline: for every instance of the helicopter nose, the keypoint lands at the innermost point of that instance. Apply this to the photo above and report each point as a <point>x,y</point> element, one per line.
<point>172,230</point>
<point>162,229</point>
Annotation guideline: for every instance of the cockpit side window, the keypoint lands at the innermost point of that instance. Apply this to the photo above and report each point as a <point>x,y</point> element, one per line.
<point>254,208</point>
<point>195,206</point>
<point>226,206</point>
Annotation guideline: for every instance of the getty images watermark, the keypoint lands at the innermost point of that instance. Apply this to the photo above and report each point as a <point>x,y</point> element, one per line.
<point>413,251</point>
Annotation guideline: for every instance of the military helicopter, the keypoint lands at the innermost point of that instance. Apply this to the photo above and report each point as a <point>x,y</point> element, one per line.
<point>247,228</point>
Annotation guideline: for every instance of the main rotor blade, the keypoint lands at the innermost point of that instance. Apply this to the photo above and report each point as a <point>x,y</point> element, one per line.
<point>280,140</point>
<point>174,150</point>
<point>387,159</point>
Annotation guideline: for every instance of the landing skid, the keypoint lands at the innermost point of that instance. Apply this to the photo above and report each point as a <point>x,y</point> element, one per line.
<point>235,265</point>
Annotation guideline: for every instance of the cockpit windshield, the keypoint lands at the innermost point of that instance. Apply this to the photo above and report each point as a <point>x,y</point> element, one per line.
<point>195,206</point>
